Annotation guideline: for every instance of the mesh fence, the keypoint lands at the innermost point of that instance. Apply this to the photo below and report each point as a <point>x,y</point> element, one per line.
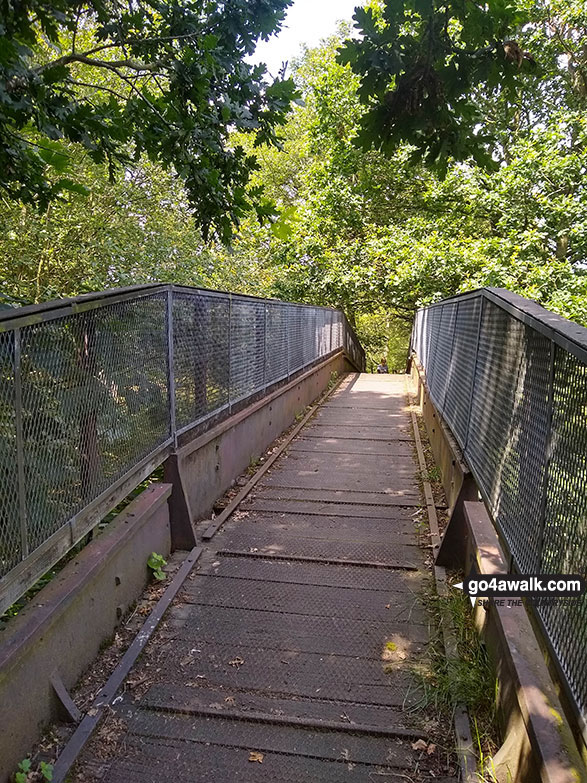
<point>94,403</point>
<point>90,389</point>
<point>510,380</point>
<point>201,358</point>
<point>11,550</point>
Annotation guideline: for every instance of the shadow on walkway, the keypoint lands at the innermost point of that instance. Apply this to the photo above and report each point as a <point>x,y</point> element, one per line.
<point>290,654</point>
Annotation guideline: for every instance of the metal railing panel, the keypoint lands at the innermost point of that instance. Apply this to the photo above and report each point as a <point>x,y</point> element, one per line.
<point>296,336</point>
<point>564,547</point>
<point>247,348</point>
<point>13,539</point>
<point>310,339</point>
<point>337,331</point>
<point>461,369</point>
<point>201,355</point>
<point>94,402</point>
<point>442,352</point>
<point>513,390</point>
<point>276,343</point>
<point>94,389</point>
<point>508,428</point>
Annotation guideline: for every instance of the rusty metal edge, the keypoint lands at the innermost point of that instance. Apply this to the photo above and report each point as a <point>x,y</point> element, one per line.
<point>212,529</point>
<point>284,720</point>
<point>462,726</point>
<point>83,732</point>
<point>319,560</point>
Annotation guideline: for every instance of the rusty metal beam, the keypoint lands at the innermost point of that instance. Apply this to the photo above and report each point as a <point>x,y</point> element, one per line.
<point>73,748</point>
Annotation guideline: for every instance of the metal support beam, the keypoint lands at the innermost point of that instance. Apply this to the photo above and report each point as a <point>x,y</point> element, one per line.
<point>103,700</point>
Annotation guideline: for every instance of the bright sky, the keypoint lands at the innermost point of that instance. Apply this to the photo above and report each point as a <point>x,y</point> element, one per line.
<point>307,22</point>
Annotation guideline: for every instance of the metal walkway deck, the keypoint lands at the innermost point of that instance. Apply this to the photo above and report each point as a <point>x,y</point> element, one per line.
<point>289,656</point>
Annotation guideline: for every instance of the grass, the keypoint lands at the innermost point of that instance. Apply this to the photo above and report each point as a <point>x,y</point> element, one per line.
<point>468,680</point>
<point>254,463</point>
<point>432,475</point>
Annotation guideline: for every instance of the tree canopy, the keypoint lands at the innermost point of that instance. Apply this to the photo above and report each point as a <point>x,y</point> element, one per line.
<point>423,64</point>
<point>371,215</point>
<point>164,80</point>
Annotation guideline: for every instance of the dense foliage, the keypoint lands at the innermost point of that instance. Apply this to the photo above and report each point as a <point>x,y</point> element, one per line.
<point>167,81</point>
<point>139,229</point>
<point>377,224</point>
<point>423,64</point>
<point>377,232</point>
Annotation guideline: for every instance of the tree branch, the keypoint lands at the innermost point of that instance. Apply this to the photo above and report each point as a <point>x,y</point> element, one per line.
<point>142,97</point>
<point>24,140</point>
<point>98,87</point>
<point>83,56</point>
<point>108,64</point>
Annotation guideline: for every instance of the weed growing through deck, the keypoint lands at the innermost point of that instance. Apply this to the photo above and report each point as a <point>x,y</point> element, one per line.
<point>468,679</point>
<point>156,563</point>
<point>432,475</point>
<point>333,380</point>
<point>254,462</point>
<point>26,773</point>
<point>486,772</point>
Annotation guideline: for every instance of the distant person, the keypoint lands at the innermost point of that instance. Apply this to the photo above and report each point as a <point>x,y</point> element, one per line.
<point>383,368</point>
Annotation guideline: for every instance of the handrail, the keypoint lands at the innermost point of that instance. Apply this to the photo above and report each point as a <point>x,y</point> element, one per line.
<point>568,334</point>
<point>96,389</point>
<point>509,378</point>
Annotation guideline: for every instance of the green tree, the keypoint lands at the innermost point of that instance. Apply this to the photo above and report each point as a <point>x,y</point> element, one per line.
<point>381,234</point>
<point>139,229</point>
<point>422,64</point>
<point>165,81</point>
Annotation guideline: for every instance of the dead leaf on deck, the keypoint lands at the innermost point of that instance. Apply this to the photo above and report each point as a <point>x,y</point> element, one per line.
<point>238,661</point>
<point>254,755</point>
<point>419,745</point>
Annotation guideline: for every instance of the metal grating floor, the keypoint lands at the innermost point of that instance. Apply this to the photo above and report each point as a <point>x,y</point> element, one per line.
<point>296,637</point>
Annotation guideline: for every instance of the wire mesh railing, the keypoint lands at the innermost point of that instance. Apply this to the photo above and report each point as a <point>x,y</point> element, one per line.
<point>96,388</point>
<point>510,380</point>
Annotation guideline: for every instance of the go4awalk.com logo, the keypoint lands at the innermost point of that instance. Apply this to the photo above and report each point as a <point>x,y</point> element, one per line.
<point>515,587</point>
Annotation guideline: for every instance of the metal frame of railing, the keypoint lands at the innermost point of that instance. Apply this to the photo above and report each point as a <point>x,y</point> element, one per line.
<point>96,390</point>
<point>509,378</point>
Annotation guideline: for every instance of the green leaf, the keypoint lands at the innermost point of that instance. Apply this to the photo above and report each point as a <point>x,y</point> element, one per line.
<point>365,21</point>
<point>55,155</point>
<point>156,562</point>
<point>283,227</point>
<point>71,186</point>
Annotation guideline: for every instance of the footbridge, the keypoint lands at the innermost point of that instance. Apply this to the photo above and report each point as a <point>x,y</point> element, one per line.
<point>241,440</point>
